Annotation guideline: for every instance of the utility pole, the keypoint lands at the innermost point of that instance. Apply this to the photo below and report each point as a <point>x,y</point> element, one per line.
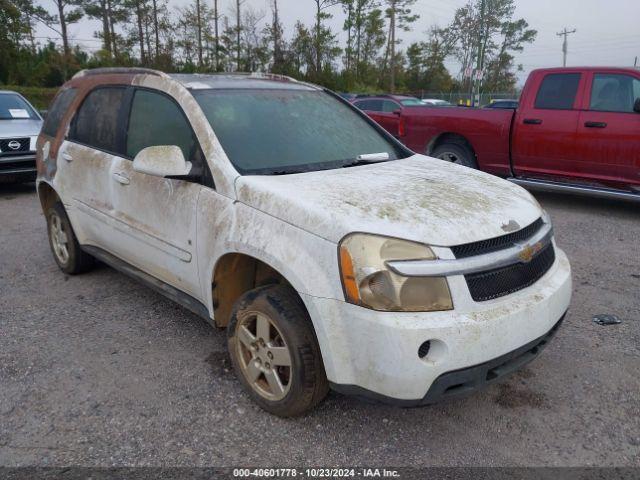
<point>565,44</point>
<point>392,26</point>
<point>238,3</point>
<point>480,59</point>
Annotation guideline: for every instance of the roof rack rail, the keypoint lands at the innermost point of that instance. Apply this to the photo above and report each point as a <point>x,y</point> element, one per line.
<point>119,70</point>
<point>259,75</point>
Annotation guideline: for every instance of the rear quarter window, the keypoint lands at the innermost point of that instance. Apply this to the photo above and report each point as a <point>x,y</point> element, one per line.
<point>558,91</point>
<point>57,110</point>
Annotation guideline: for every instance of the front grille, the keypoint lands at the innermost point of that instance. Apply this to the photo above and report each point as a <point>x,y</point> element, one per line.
<point>8,145</point>
<point>24,163</point>
<point>498,243</point>
<point>506,280</point>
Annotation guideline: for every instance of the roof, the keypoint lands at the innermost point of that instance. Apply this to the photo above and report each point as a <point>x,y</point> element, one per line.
<point>201,81</point>
<point>589,69</point>
<point>197,81</point>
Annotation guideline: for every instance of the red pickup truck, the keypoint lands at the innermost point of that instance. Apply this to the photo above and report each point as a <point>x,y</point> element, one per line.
<point>575,129</point>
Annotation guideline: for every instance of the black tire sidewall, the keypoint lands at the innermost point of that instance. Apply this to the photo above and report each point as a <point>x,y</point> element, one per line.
<point>465,155</point>
<point>286,311</point>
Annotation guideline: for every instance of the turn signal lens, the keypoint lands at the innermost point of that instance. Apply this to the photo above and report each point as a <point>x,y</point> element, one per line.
<point>368,282</point>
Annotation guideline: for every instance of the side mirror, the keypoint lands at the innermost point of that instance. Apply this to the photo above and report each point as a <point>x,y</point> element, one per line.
<point>162,161</point>
<point>636,106</point>
<point>397,112</point>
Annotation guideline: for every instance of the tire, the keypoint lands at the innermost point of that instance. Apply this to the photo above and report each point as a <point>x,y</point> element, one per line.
<point>64,246</point>
<point>261,363</point>
<point>455,153</point>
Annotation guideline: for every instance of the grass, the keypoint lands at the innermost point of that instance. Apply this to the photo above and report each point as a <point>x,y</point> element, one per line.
<point>39,97</point>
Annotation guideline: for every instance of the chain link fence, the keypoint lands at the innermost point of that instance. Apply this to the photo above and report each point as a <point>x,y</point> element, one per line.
<point>465,98</point>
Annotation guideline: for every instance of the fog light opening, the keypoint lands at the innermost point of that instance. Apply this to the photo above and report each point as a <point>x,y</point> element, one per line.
<point>423,351</point>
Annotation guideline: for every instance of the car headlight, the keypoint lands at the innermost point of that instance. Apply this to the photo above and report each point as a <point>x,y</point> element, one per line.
<point>367,281</point>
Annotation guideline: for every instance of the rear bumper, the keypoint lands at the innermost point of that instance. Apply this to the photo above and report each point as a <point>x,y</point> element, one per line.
<point>463,382</point>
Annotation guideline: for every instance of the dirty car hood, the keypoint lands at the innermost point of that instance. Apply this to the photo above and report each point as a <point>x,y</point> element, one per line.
<point>418,198</point>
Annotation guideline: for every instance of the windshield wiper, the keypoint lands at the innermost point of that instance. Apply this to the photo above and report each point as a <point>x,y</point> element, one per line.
<point>367,159</point>
<point>284,172</point>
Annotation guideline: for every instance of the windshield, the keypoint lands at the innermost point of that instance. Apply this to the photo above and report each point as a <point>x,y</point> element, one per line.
<point>14,107</point>
<point>288,131</point>
<point>412,102</point>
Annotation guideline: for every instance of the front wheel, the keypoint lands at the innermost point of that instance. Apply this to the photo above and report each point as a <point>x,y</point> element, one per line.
<point>455,153</point>
<point>274,351</point>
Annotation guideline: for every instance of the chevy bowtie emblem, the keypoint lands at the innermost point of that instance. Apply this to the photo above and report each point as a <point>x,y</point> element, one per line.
<point>529,251</point>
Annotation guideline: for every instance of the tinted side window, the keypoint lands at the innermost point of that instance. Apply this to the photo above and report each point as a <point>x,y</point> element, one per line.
<point>157,120</point>
<point>614,92</point>
<point>389,107</point>
<point>558,91</point>
<point>96,123</point>
<point>370,105</point>
<point>57,110</point>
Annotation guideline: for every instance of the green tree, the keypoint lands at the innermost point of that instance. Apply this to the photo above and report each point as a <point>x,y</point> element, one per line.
<point>68,12</point>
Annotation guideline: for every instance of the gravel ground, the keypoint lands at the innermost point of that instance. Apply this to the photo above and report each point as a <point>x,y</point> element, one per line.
<point>97,370</point>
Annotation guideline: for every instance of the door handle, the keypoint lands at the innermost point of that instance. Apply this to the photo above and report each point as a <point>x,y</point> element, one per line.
<point>595,125</point>
<point>67,156</point>
<point>532,121</point>
<point>121,178</point>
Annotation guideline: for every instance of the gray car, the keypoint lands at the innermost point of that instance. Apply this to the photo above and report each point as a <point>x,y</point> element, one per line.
<point>20,125</point>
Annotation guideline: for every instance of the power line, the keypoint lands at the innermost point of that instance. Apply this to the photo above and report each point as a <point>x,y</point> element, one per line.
<point>565,44</point>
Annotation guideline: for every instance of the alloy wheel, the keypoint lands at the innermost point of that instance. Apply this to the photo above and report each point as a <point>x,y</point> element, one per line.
<point>263,356</point>
<point>59,238</point>
<point>449,157</point>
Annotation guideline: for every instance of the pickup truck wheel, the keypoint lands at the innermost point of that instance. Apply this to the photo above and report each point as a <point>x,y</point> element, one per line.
<point>455,153</point>
<point>274,351</point>
<point>65,247</point>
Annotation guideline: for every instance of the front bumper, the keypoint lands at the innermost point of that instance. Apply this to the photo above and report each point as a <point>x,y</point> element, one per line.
<point>376,353</point>
<point>466,381</point>
<point>21,165</point>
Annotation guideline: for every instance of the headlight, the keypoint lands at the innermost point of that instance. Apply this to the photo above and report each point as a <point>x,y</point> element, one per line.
<point>368,282</point>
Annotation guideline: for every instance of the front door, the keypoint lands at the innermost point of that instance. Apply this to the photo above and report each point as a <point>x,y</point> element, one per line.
<point>381,111</point>
<point>609,131</point>
<point>544,131</point>
<point>157,216</point>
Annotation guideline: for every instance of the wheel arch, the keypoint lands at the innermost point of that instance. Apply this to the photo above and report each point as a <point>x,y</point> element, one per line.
<point>47,196</point>
<point>236,273</point>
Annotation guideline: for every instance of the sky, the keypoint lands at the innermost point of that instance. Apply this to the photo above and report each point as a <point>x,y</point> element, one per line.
<point>607,31</point>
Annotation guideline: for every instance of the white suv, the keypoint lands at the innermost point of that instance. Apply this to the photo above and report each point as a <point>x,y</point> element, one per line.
<point>334,256</point>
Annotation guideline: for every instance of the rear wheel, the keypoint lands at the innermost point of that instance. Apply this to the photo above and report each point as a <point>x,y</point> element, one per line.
<point>274,351</point>
<point>455,153</point>
<point>65,247</point>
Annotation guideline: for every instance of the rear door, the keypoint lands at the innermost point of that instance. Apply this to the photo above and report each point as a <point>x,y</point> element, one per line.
<point>84,163</point>
<point>157,216</point>
<point>545,127</point>
<point>609,130</point>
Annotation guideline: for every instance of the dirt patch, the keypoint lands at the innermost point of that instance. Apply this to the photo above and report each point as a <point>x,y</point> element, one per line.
<point>511,396</point>
<point>220,363</point>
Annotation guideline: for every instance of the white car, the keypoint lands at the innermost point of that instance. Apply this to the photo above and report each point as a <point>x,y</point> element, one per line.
<point>435,102</point>
<point>334,256</point>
